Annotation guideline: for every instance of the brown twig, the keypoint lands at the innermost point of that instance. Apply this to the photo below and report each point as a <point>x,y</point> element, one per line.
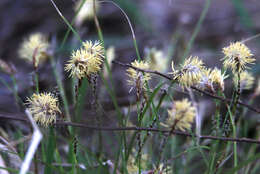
<point>100,128</point>
<point>192,87</point>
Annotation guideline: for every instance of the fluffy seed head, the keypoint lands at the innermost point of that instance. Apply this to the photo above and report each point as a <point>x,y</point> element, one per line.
<point>44,108</point>
<point>246,80</point>
<point>190,72</point>
<point>137,77</point>
<point>36,45</point>
<point>157,60</point>
<point>181,115</point>
<point>237,56</point>
<point>212,80</point>
<point>86,60</point>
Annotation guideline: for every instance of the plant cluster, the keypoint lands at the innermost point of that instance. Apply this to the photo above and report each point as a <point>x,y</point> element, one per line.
<point>141,151</point>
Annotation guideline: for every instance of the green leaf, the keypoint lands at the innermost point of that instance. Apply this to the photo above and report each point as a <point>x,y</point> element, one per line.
<point>50,151</point>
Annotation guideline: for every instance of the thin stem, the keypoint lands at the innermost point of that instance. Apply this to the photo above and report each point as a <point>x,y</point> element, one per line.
<point>35,70</point>
<point>36,81</point>
<point>61,89</point>
<point>110,90</point>
<point>197,28</point>
<point>232,118</point>
<point>130,25</point>
<point>164,142</point>
<point>72,22</point>
<point>237,96</point>
<point>62,123</point>
<point>66,21</point>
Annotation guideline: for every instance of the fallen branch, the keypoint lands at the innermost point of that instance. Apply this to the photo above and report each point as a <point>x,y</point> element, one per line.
<point>62,123</point>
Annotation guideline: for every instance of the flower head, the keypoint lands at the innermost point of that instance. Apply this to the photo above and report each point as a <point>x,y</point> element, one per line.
<point>86,11</point>
<point>246,80</point>
<point>34,49</point>
<point>137,78</point>
<point>86,60</point>
<point>212,80</point>
<point>217,79</point>
<point>181,115</point>
<point>237,56</point>
<point>205,81</point>
<point>95,49</point>
<point>190,72</point>
<point>157,60</point>
<point>44,108</point>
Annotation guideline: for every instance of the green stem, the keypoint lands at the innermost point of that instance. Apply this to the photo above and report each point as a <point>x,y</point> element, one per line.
<point>234,136</point>
<point>36,81</point>
<point>72,22</point>
<point>197,29</point>
<point>66,21</point>
<point>61,89</point>
<point>136,49</point>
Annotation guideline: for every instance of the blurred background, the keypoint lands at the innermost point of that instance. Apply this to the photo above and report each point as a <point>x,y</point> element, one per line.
<point>166,25</point>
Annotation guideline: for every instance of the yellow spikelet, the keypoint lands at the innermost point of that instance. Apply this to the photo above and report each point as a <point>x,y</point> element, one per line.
<point>137,76</point>
<point>237,56</point>
<point>44,108</point>
<point>34,46</point>
<point>181,115</point>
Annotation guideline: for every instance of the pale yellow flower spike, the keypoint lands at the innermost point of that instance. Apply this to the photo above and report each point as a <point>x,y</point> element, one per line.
<point>157,60</point>
<point>205,82</point>
<point>135,76</point>
<point>110,57</point>
<point>212,80</point>
<point>182,115</point>
<point>36,45</point>
<point>95,49</point>
<point>86,60</point>
<point>217,79</point>
<point>246,80</point>
<point>78,63</point>
<point>44,108</point>
<point>86,12</point>
<point>132,166</point>
<point>237,56</point>
<point>190,72</point>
